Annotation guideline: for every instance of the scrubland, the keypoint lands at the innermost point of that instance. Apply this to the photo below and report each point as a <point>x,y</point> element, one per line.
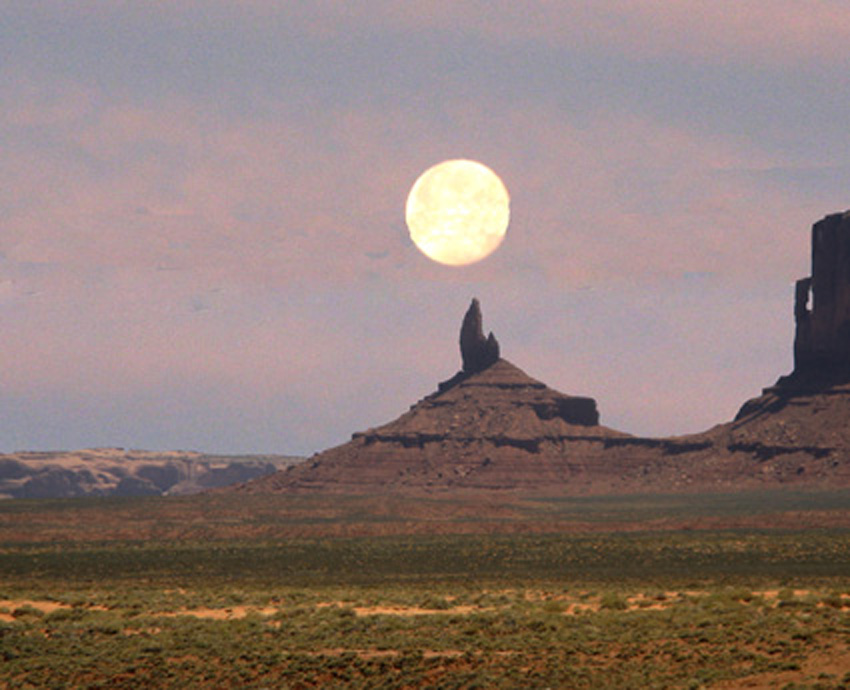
<point>657,608</point>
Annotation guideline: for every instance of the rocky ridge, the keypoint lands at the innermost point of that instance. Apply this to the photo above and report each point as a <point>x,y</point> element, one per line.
<point>492,426</point>
<point>120,472</point>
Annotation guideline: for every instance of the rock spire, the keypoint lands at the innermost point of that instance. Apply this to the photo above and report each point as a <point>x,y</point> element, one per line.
<point>493,427</point>
<point>476,351</point>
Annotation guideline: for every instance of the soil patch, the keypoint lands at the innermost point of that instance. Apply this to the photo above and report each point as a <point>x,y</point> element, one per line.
<point>832,664</point>
<point>225,614</point>
<point>415,610</point>
<point>14,604</point>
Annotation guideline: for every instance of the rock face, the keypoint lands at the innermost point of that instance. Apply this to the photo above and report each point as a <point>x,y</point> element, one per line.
<point>799,429</point>
<point>476,351</point>
<point>496,429</point>
<point>822,339</point>
<point>492,426</point>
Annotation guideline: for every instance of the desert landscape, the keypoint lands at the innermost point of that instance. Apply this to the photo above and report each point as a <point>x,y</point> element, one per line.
<point>718,590</point>
<point>493,535</point>
<point>399,345</point>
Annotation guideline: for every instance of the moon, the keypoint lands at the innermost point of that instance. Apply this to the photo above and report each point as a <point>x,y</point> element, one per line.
<point>458,212</point>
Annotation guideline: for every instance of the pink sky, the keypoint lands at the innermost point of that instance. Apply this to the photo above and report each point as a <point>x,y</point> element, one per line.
<point>201,209</point>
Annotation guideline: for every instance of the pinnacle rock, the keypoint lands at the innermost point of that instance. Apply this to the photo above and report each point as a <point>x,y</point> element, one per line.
<point>476,351</point>
<point>493,427</point>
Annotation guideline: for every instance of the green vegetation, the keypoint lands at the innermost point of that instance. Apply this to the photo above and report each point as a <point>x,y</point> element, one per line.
<point>655,556</point>
<point>256,516</point>
<point>612,610</point>
<point>149,593</point>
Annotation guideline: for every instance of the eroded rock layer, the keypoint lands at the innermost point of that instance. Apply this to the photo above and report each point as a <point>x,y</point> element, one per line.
<point>798,431</point>
<point>120,472</point>
<point>498,428</point>
<point>493,427</point>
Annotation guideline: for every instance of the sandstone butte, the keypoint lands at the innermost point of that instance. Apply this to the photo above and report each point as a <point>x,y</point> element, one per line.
<point>493,427</point>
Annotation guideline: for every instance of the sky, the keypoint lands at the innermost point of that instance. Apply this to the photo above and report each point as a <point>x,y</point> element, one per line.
<point>202,237</point>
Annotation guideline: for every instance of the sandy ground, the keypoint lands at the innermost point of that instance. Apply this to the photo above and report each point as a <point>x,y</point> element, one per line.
<point>13,604</point>
<point>832,662</point>
<point>572,605</point>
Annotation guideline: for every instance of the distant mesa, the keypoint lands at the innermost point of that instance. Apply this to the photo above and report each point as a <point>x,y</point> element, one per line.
<point>120,472</point>
<point>491,426</point>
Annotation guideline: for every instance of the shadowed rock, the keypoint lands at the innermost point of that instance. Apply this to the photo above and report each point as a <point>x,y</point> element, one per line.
<point>476,351</point>
<point>492,426</point>
<point>799,429</point>
<point>822,336</point>
<point>496,429</point>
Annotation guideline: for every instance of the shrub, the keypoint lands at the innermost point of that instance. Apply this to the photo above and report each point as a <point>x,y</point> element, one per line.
<point>613,602</point>
<point>27,611</point>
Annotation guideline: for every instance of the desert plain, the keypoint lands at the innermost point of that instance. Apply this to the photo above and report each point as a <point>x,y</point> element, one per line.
<point>724,590</point>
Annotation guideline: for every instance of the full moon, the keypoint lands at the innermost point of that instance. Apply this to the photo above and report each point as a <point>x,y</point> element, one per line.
<point>457,212</point>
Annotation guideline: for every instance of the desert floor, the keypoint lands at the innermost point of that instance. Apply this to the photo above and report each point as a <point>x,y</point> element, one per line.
<point>716,591</point>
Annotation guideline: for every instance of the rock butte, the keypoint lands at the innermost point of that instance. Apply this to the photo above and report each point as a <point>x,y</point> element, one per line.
<point>492,426</point>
